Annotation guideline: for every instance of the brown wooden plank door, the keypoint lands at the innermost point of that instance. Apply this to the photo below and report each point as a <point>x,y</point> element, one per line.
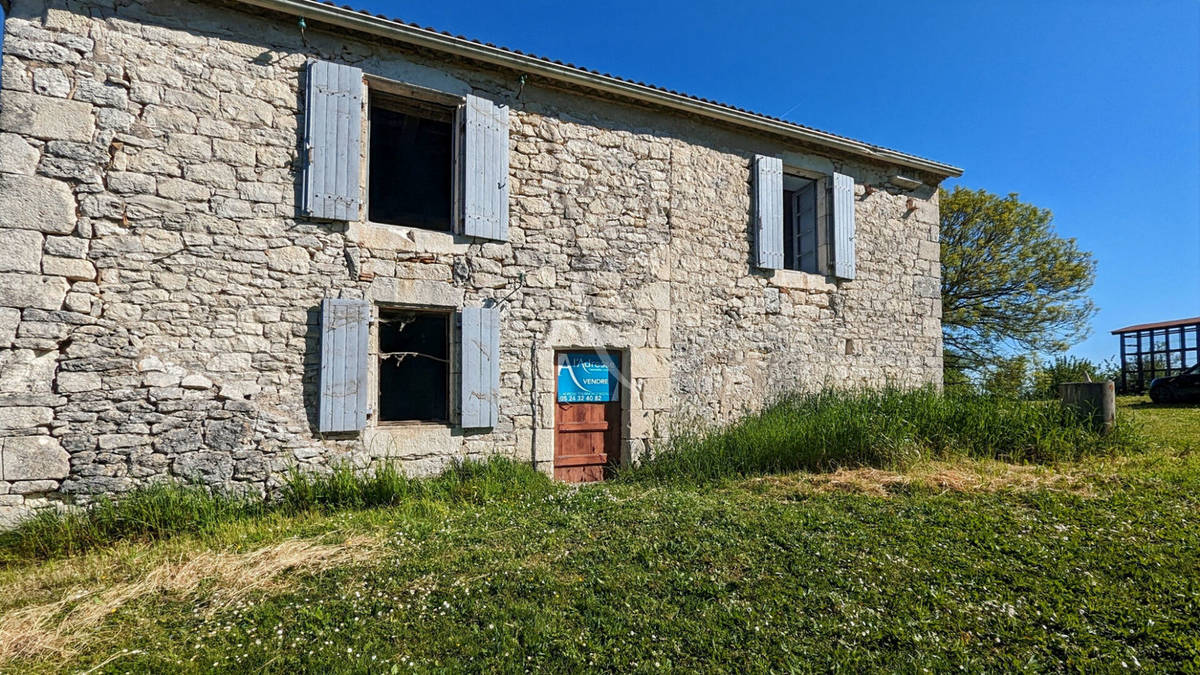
<point>587,439</point>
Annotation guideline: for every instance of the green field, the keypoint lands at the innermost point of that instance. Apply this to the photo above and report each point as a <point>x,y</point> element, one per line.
<point>954,563</point>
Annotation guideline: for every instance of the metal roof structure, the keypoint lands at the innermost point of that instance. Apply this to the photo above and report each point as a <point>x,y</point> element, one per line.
<point>569,73</point>
<point>1160,349</point>
<point>1161,324</point>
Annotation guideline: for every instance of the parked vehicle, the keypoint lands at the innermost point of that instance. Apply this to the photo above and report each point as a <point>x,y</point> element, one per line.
<point>1177,388</point>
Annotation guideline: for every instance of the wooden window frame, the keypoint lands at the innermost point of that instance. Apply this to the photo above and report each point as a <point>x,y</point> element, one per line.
<point>450,315</point>
<point>823,218</point>
<point>420,96</point>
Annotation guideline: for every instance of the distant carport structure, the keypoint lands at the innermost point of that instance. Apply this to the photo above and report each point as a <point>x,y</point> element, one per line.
<point>1151,350</point>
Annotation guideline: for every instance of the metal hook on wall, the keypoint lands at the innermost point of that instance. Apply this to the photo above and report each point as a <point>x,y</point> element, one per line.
<point>504,300</point>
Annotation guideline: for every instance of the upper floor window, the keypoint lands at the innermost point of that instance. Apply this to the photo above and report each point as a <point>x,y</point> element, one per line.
<point>410,166</point>
<point>802,223</point>
<point>802,237</point>
<point>435,160</point>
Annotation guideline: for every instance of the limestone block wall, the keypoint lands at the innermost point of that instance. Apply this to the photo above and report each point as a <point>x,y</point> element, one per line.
<point>743,334</point>
<point>159,294</point>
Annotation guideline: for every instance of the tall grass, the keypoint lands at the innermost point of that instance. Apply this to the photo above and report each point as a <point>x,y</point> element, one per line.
<point>883,429</point>
<point>886,429</point>
<point>153,512</point>
<point>167,509</point>
<point>468,482</point>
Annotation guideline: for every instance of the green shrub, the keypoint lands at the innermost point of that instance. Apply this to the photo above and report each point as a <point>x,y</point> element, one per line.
<point>884,429</point>
<point>1008,377</point>
<point>1047,377</point>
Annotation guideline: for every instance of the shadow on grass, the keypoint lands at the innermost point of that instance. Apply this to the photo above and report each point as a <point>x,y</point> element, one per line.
<point>1150,405</point>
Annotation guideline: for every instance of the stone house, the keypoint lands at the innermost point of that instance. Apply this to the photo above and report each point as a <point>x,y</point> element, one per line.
<point>241,236</point>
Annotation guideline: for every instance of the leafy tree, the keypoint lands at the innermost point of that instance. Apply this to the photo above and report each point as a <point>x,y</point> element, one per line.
<point>1010,284</point>
<point>1007,377</point>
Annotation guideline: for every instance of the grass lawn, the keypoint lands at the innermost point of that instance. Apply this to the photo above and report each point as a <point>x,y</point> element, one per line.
<point>1091,564</point>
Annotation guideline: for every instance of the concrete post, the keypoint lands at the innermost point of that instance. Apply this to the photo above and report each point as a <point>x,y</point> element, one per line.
<point>1098,400</point>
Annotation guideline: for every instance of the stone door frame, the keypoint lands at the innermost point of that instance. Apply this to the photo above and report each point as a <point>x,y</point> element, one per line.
<point>645,386</point>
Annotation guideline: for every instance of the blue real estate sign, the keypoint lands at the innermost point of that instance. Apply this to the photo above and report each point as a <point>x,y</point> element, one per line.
<point>588,377</point>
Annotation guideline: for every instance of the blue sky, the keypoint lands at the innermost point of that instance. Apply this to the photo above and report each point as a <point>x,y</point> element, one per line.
<point>1090,109</point>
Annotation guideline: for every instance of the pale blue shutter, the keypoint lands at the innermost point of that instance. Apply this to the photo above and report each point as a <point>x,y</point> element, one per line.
<point>768,212</point>
<point>332,131</point>
<point>2,19</point>
<point>344,329</point>
<point>485,169</point>
<point>843,226</point>
<point>480,367</point>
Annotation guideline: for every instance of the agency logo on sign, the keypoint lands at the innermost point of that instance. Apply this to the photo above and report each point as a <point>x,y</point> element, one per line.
<point>588,377</point>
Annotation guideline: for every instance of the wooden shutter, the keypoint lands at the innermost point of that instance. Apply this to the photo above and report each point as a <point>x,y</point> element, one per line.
<point>480,367</point>
<point>843,226</point>
<point>485,169</point>
<point>344,328</point>
<point>768,212</point>
<point>825,225</point>
<point>332,131</point>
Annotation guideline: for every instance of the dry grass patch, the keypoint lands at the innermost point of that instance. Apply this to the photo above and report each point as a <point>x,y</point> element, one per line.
<point>1005,477</point>
<point>61,627</point>
<point>962,476</point>
<point>859,481</point>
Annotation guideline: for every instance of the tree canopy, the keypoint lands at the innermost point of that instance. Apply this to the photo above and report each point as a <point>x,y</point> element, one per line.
<point>1009,282</point>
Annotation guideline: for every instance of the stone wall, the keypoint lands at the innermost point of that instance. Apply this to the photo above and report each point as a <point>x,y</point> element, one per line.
<point>159,294</point>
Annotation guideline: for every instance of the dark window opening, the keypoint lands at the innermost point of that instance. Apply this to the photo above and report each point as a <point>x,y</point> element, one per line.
<point>800,236</point>
<point>414,366</point>
<point>411,148</point>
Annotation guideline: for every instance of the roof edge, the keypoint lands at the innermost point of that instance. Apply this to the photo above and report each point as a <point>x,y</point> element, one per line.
<point>1173,323</point>
<point>367,23</point>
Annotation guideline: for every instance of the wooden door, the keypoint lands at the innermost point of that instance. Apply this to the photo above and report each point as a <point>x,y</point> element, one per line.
<point>587,440</point>
<point>587,437</point>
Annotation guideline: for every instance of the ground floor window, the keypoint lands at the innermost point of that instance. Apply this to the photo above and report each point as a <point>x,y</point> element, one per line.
<point>414,365</point>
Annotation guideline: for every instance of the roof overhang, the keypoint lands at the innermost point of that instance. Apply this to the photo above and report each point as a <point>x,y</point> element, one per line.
<point>1176,323</point>
<point>395,30</point>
